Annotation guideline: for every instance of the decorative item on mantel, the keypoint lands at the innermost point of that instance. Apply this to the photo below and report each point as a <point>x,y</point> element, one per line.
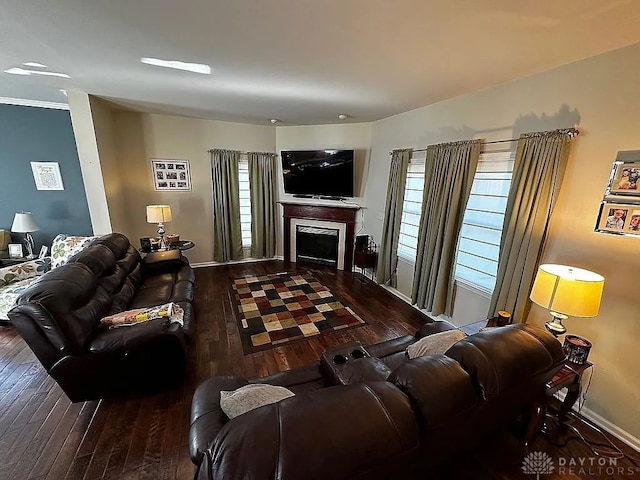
<point>567,291</point>
<point>159,214</point>
<point>23,222</point>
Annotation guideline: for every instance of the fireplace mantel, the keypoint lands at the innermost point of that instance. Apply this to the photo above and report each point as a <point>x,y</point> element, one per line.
<point>344,214</point>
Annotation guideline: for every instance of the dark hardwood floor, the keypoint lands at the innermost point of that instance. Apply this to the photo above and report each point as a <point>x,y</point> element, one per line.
<point>44,436</point>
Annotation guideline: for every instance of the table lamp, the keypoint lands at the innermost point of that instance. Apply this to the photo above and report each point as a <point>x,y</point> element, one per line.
<point>23,222</point>
<point>159,214</point>
<point>566,291</point>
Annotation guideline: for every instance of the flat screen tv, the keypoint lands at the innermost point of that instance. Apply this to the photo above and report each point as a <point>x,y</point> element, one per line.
<point>323,173</point>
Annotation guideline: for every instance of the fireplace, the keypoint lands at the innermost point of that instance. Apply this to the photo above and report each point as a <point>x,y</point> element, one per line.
<point>319,234</point>
<point>317,245</point>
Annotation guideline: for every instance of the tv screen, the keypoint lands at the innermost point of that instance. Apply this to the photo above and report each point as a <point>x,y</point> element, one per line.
<point>318,172</point>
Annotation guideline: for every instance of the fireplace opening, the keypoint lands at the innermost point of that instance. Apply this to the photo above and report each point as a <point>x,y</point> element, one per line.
<point>317,245</point>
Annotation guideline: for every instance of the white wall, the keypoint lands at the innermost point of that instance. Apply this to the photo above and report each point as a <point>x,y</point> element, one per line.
<point>82,119</point>
<point>601,96</point>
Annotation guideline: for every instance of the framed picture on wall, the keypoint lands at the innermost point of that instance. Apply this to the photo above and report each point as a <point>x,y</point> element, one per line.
<point>171,174</point>
<point>47,175</point>
<point>619,218</point>
<point>624,179</point>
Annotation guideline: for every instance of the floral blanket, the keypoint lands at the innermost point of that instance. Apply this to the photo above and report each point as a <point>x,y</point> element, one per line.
<point>16,278</point>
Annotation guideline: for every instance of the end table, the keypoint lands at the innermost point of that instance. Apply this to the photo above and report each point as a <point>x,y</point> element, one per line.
<point>569,377</point>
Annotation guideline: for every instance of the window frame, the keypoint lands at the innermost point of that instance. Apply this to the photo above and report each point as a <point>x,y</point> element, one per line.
<point>507,157</point>
<point>408,253</point>
<point>245,202</point>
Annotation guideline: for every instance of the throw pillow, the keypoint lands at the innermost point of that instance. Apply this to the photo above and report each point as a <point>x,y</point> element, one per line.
<point>65,246</point>
<point>434,344</point>
<point>250,397</point>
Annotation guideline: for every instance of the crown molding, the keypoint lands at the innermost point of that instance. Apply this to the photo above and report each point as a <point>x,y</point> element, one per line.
<point>33,103</point>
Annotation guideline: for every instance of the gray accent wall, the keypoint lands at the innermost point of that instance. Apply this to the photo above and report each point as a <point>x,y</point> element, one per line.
<point>32,134</point>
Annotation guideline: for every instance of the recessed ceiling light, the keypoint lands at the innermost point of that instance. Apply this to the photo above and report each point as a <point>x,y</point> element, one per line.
<point>22,71</point>
<point>342,116</point>
<point>274,120</point>
<point>178,65</point>
<point>34,64</point>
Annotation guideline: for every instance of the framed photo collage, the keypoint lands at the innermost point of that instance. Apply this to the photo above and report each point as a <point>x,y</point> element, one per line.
<point>620,208</point>
<point>171,174</point>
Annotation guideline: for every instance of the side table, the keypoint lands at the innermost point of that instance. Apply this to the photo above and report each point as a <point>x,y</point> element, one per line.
<point>8,262</point>
<point>364,259</point>
<point>569,377</point>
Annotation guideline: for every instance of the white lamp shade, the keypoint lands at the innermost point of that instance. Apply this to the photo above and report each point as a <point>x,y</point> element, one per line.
<point>569,290</point>
<point>24,223</point>
<point>158,213</point>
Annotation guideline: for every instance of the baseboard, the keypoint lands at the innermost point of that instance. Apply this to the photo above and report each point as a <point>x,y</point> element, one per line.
<point>232,262</point>
<point>407,299</point>
<point>611,428</point>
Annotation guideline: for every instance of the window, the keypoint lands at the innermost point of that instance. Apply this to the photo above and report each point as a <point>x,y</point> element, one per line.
<point>479,245</point>
<point>245,202</point>
<point>411,209</point>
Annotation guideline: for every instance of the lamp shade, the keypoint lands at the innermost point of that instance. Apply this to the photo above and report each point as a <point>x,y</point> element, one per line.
<point>23,222</point>
<point>568,290</point>
<point>158,213</point>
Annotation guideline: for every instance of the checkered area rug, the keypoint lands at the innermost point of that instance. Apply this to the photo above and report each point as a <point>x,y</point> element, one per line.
<point>280,308</point>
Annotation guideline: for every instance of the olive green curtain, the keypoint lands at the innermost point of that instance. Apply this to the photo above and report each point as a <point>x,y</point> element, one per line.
<point>540,163</point>
<point>388,254</point>
<point>262,185</point>
<point>449,172</point>
<point>227,236</point>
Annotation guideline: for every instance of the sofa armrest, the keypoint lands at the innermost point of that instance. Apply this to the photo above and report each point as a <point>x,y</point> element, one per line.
<point>207,418</point>
<point>433,327</point>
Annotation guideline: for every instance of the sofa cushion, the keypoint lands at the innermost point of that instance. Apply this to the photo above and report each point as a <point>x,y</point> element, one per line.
<point>65,246</point>
<point>356,431</point>
<point>435,344</point>
<point>250,397</point>
<point>68,324</point>
<point>130,338</point>
<point>495,360</point>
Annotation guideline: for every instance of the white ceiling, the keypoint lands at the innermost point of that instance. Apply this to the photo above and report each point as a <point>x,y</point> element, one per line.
<point>300,61</point>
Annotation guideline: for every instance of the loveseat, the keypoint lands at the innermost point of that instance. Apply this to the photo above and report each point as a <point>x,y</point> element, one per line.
<point>410,424</point>
<point>59,316</point>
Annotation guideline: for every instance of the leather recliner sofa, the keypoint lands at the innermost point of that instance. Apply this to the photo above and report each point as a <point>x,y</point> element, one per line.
<point>428,410</point>
<point>59,317</point>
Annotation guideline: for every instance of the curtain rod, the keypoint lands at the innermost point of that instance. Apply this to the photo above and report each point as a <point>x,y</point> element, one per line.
<point>572,132</point>
<point>211,150</point>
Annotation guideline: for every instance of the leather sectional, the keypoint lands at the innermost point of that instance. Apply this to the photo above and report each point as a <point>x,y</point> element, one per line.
<point>59,318</point>
<point>402,419</point>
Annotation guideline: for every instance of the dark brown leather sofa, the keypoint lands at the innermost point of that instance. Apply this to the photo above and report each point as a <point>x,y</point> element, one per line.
<point>59,318</point>
<point>428,410</point>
